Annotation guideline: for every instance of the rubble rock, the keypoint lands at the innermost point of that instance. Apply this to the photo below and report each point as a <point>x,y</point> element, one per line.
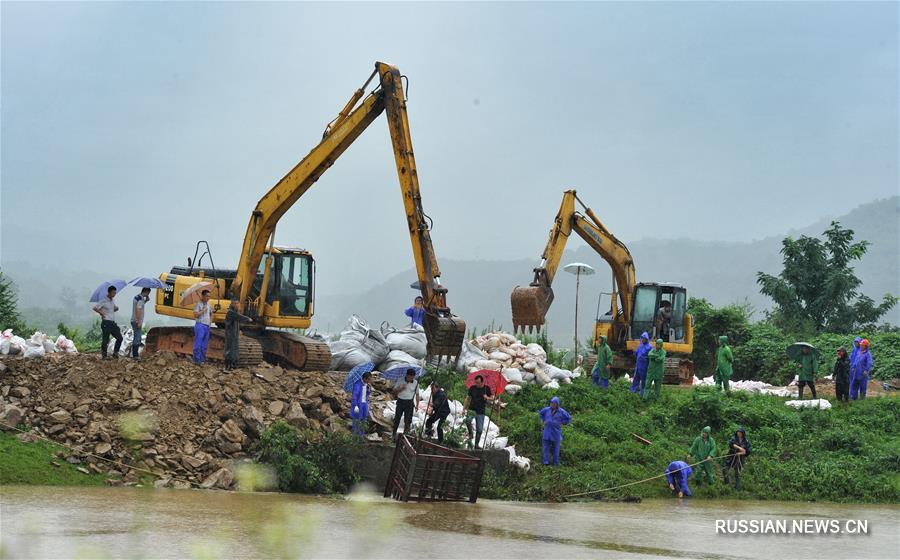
<point>11,416</point>
<point>102,448</point>
<point>61,416</point>
<point>254,420</point>
<point>296,417</point>
<point>276,408</point>
<point>20,392</point>
<point>232,432</point>
<point>222,478</point>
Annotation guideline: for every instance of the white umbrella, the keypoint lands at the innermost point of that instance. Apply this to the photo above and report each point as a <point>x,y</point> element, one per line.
<point>578,269</point>
<point>192,294</point>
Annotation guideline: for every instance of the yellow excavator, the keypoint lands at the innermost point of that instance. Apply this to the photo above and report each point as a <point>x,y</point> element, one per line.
<point>275,285</point>
<point>655,308</point>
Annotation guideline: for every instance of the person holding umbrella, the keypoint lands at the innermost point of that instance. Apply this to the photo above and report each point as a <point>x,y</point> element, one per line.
<point>809,367</point>
<point>202,322</point>
<point>137,320</point>
<point>359,404</point>
<point>479,393</point>
<point>107,308</point>
<point>554,418</point>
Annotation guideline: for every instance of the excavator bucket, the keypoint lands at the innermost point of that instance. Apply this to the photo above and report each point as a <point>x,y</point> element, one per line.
<point>529,307</point>
<point>445,335</point>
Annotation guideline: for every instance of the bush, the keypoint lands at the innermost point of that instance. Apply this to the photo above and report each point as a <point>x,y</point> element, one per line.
<point>308,462</point>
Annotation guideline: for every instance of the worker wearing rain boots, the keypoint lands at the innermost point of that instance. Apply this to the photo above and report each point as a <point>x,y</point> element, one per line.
<point>724,359</point>
<point>600,372</point>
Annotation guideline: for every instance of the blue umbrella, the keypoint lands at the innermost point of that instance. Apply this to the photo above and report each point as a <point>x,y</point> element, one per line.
<point>102,288</point>
<point>356,374</point>
<point>399,372</point>
<point>147,282</point>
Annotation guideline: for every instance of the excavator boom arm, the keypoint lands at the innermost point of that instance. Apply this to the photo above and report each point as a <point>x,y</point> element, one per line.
<point>445,331</point>
<point>530,304</point>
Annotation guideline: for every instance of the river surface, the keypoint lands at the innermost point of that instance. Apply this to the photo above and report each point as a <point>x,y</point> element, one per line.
<point>50,522</point>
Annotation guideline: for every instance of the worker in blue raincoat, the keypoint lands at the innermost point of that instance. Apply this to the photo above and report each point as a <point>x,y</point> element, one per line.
<point>677,474</point>
<point>554,418</point>
<point>359,404</point>
<point>855,351</point>
<point>859,371</point>
<point>642,361</point>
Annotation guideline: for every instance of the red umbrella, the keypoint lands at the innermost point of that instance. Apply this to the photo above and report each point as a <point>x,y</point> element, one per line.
<point>493,379</point>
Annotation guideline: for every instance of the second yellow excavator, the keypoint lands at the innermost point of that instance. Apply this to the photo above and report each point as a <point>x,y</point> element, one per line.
<point>274,285</point>
<point>655,308</point>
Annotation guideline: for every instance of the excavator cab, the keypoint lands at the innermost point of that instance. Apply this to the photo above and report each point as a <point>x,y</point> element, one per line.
<point>659,309</point>
<point>289,283</point>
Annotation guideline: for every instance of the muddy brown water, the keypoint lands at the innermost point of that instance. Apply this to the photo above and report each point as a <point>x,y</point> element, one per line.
<point>44,522</point>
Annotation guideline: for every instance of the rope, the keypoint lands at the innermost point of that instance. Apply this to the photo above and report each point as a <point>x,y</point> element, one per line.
<point>646,479</point>
<point>88,454</point>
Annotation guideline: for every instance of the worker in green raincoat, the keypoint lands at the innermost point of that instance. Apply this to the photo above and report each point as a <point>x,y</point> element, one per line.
<point>703,449</point>
<point>809,367</point>
<point>600,372</point>
<point>724,359</point>
<point>656,370</point>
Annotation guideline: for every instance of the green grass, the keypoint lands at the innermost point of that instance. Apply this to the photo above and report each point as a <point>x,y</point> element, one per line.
<point>32,464</point>
<point>846,454</point>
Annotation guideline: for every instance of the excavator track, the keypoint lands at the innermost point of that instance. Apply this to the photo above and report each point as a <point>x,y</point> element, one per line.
<point>180,340</point>
<point>529,307</point>
<point>277,347</point>
<point>445,336</point>
<point>679,370</point>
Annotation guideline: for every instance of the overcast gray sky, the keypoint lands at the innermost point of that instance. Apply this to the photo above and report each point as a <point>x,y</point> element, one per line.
<point>131,130</point>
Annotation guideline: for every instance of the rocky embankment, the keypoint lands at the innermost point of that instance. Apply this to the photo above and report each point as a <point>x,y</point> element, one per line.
<point>186,424</point>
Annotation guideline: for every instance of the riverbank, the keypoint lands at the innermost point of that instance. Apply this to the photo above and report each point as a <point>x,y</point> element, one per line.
<point>189,426</point>
<point>850,453</point>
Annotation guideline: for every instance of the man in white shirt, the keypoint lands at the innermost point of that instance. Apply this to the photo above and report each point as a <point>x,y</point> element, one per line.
<point>137,320</point>
<point>407,393</point>
<point>106,308</point>
<point>202,321</point>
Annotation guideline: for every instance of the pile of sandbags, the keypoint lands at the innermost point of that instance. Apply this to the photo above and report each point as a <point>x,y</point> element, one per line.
<point>520,363</point>
<point>490,437</point>
<point>127,341</point>
<point>821,404</point>
<point>358,344</point>
<point>37,345</point>
<point>757,387</point>
<point>387,347</point>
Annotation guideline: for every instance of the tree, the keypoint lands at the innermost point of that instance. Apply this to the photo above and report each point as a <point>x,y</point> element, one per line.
<point>710,323</point>
<point>818,290</point>
<point>9,312</point>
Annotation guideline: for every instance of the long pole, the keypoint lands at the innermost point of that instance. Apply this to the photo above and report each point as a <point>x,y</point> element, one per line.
<point>577,287</point>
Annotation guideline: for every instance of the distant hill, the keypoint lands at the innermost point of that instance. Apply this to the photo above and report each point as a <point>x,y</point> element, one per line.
<point>479,289</point>
<point>721,272</point>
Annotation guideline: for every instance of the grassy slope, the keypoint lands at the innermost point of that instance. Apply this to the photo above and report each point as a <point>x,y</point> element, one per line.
<point>30,463</point>
<point>843,454</point>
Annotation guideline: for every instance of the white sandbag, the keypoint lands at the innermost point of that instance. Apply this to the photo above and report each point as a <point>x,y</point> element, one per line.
<point>499,442</point>
<point>34,350</point>
<point>566,380</point>
<point>63,344</point>
<point>536,350</point>
<point>512,452</point>
<point>821,404</point>
<point>528,377</point>
<point>487,364</point>
<point>541,377</point>
<point>346,355</point>
<point>521,463</point>
<point>49,345</point>
<point>489,343</point>
<point>512,375</point>
<point>125,349</point>
<point>512,389</point>
<point>468,356</point>
<point>577,372</point>
<point>398,358</point>
<point>368,339</point>
<point>557,373</point>
<point>554,384</point>
<point>498,356</point>
<point>507,338</point>
<point>411,340</point>
<point>5,338</point>
<point>530,365</point>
